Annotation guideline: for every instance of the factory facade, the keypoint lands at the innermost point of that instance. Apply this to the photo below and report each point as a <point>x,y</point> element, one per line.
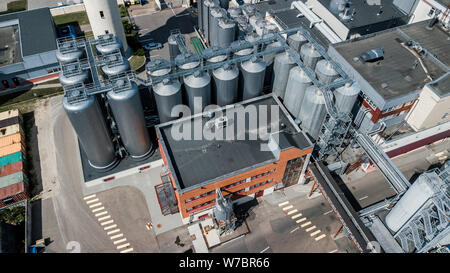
<point>23,60</point>
<point>240,168</point>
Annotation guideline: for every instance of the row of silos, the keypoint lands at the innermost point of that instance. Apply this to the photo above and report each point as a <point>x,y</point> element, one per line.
<point>217,27</point>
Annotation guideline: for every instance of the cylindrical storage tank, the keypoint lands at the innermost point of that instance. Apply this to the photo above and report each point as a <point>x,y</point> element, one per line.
<point>260,26</point>
<point>310,56</point>
<point>419,192</point>
<point>224,4</point>
<point>282,65</point>
<point>110,47</point>
<point>174,51</point>
<point>246,49</point>
<point>234,12</point>
<point>296,40</point>
<point>215,15</point>
<point>128,113</point>
<point>225,88</point>
<point>167,96</point>
<point>269,59</point>
<point>207,6</point>
<point>252,37</point>
<point>227,32</point>
<point>298,82</point>
<point>116,69</point>
<point>253,72</point>
<point>187,61</point>
<point>313,111</point>
<point>198,86</point>
<point>90,126</point>
<point>325,72</point>
<point>200,14</point>
<point>81,77</point>
<point>104,17</point>
<point>69,56</point>
<point>158,67</point>
<point>345,97</point>
<point>210,51</point>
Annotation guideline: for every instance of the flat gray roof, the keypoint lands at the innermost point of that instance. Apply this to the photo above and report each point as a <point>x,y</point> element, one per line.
<point>442,85</point>
<point>401,71</point>
<point>195,163</point>
<point>37,30</point>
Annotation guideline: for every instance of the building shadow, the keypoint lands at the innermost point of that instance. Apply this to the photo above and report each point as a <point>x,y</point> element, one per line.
<point>33,165</point>
<point>348,194</point>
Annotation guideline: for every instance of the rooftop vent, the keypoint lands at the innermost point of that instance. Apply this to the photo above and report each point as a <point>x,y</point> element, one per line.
<point>372,55</point>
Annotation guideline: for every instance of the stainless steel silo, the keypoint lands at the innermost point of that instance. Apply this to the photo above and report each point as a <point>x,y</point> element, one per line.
<point>346,96</point>
<point>296,41</point>
<point>174,50</point>
<point>298,82</point>
<point>253,72</point>
<point>282,65</point>
<point>109,47</point>
<point>207,6</point>
<point>225,87</point>
<point>167,96</point>
<point>128,113</point>
<point>214,51</point>
<point>69,52</point>
<point>227,32</point>
<point>198,85</point>
<point>325,72</point>
<point>187,61</point>
<point>313,111</point>
<point>158,67</point>
<point>74,78</point>
<point>269,59</point>
<point>200,14</point>
<point>116,68</point>
<point>310,56</point>
<point>215,15</point>
<point>90,126</point>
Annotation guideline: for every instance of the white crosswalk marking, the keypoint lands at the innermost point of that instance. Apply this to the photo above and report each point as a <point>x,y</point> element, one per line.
<point>89,197</point>
<point>126,250</point>
<point>292,211</point>
<point>92,201</point>
<point>95,205</point>
<point>306,224</point>
<point>301,220</point>
<point>110,227</point>
<point>288,207</point>
<point>113,231</point>
<point>320,237</point>
<point>283,204</point>
<point>116,236</point>
<point>98,209</point>
<point>107,222</point>
<point>104,218</point>
<point>296,216</point>
<point>310,228</point>
<point>120,241</point>
<point>101,213</point>
<point>123,246</point>
<point>315,233</point>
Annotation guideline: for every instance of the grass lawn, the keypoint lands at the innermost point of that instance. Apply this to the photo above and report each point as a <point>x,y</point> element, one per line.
<point>15,6</point>
<point>79,17</point>
<point>24,98</point>
<point>136,62</point>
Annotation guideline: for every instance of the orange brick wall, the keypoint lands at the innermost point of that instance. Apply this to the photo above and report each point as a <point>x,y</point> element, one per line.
<point>277,177</point>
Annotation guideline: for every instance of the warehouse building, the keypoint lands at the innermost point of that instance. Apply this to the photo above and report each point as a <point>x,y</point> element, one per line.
<point>27,48</point>
<point>420,10</point>
<point>240,168</point>
<point>404,60</point>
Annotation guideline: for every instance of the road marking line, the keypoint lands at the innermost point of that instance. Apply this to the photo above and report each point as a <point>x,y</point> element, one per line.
<point>296,216</point>
<point>116,236</point>
<point>320,237</point>
<point>107,222</point>
<point>95,205</point>
<point>113,231</point>
<point>92,201</point>
<point>301,220</point>
<point>288,207</point>
<point>101,213</point>
<point>89,196</point>
<point>283,204</point>
<point>123,246</point>
<point>328,212</point>
<point>265,249</point>
<point>98,209</point>
<point>333,251</point>
<point>295,229</point>
<point>315,232</point>
<point>119,241</point>
<point>104,218</point>
<point>306,224</point>
<point>126,250</point>
<point>292,211</point>
<point>110,227</point>
<point>310,228</point>
<point>362,198</point>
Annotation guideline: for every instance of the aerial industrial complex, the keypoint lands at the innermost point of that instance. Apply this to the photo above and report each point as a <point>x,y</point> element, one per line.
<point>281,103</point>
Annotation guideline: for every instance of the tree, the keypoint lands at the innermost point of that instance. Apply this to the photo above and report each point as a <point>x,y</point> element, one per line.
<point>13,216</point>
